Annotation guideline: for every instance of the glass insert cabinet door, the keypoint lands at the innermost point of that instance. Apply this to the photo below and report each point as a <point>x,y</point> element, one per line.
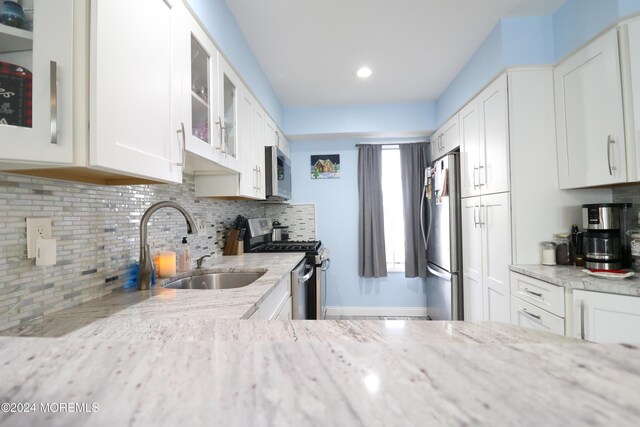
<point>36,78</point>
<point>230,85</point>
<point>200,92</point>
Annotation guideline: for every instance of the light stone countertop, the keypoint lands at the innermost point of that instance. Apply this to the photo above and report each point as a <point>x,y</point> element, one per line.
<point>179,358</point>
<point>299,373</point>
<point>184,304</point>
<point>575,278</point>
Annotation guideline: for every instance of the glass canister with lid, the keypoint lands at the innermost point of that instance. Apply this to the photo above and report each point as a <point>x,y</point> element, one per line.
<point>563,248</point>
<point>634,243</point>
<point>548,252</point>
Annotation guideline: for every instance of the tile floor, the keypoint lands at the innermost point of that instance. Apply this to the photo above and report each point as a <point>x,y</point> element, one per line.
<point>377,318</point>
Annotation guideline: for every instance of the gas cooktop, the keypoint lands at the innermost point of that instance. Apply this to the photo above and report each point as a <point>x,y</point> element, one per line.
<point>290,246</point>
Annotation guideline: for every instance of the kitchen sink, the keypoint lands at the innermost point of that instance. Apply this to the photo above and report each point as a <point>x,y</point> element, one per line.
<point>215,281</point>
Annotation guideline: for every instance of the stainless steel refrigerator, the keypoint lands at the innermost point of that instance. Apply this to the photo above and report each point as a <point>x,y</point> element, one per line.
<point>442,233</point>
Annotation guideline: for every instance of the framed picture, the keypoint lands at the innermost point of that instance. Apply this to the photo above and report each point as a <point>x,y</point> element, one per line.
<point>325,166</point>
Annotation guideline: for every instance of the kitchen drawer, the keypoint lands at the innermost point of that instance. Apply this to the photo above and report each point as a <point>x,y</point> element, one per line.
<point>271,306</point>
<point>529,316</point>
<point>541,294</point>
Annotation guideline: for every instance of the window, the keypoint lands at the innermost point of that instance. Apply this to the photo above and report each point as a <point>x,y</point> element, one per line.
<point>393,208</point>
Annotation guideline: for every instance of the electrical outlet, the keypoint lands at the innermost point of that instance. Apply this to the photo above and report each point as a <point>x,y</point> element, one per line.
<point>201,225</point>
<point>37,227</point>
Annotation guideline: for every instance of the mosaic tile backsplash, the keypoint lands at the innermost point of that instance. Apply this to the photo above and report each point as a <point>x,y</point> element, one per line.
<point>629,194</point>
<point>301,219</point>
<point>97,232</point>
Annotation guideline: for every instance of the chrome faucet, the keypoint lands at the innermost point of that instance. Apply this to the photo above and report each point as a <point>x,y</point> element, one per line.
<point>200,260</point>
<point>145,270</point>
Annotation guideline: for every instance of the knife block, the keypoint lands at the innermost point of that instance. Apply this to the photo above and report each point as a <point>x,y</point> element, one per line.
<point>233,246</point>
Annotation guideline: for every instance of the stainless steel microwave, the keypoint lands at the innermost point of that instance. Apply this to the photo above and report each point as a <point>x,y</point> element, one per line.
<point>277,174</point>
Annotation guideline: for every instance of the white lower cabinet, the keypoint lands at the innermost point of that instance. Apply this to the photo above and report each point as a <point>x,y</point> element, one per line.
<point>486,230</point>
<point>606,318</point>
<point>277,305</point>
<point>286,313</point>
<point>538,305</point>
<point>530,316</point>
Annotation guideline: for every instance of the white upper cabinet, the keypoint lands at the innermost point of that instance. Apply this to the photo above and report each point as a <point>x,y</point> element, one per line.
<point>249,183</point>
<point>43,58</point>
<point>493,120</point>
<point>484,141</point>
<point>200,98</point>
<point>633,93</point>
<point>589,116</point>
<point>258,120</point>
<point>134,76</point>
<point>229,84</point>
<point>446,138</point>
<point>271,133</point>
<point>470,148</point>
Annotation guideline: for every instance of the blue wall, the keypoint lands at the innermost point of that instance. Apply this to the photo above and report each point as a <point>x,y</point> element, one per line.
<point>223,27</point>
<point>336,203</point>
<point>514,41</point>
<point>360,118</point>
<point>533,40</point>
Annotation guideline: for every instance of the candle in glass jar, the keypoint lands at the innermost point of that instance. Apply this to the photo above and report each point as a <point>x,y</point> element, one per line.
<point>548,253</point>
<point>167,264</point>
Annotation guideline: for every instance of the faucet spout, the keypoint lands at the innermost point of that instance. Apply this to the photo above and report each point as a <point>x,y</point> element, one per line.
<point>146,267</point>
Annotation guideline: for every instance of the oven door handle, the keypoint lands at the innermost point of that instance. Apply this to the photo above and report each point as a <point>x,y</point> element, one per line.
<point>306,276</point>
<point>326,262</point>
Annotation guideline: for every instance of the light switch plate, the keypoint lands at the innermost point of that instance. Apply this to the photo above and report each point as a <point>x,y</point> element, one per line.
<point>201,224</point>
<point>35,227</point>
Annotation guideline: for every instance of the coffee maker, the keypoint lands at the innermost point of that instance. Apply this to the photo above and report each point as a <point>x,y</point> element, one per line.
<point>604,242</point>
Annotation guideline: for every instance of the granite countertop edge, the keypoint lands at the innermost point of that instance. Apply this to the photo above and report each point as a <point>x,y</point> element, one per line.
<point>574,278</point>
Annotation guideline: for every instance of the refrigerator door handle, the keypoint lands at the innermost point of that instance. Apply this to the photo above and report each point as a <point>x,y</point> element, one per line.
<point>446,277</point>
<point>424,195</point>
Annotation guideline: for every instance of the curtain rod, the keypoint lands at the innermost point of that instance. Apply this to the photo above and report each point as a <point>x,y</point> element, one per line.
<point>394,143</point>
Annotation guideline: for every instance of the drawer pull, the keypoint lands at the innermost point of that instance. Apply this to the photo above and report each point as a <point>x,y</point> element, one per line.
<point>524,311</point>
<point>537,294</point>
<point>582,333</point>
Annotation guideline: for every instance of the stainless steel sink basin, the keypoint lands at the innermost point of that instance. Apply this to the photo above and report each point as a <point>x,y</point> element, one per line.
<point>215,281</point>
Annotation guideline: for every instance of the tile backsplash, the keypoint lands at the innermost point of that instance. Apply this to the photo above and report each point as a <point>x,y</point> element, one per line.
<point>301,219</point>
<point>97,232</point>
<point>629,194</point>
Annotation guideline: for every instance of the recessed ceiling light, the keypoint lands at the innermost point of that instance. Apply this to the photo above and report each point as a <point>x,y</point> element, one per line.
<point>363,72</point>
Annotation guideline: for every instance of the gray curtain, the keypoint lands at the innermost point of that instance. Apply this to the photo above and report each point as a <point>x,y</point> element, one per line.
<point>413,160</point>
<point>372,258</point>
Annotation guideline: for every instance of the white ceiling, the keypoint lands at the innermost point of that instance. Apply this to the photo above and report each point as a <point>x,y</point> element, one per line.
<point>310,49</point>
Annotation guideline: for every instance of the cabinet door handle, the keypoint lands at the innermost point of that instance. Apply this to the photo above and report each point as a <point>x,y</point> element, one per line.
<point>475,221</point>
<point>537,294</point>
<point>259,177</point>
<point>582,332</point>
<point>480,184</point>
<point>480,210</point>
<point>222,129</point>
<point>53,100</point>
<point>610,142</point>
<point>184,145</point>
<point>475,169</point>
<point>524,311</point>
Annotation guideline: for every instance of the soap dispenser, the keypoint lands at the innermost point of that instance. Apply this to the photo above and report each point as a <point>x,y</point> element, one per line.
<point>184,260</point>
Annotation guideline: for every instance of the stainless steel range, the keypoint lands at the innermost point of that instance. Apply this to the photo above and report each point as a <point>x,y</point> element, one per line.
<point>308,285</point>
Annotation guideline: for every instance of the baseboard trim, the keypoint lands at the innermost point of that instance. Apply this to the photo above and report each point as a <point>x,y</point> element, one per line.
<point>376,311</point>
